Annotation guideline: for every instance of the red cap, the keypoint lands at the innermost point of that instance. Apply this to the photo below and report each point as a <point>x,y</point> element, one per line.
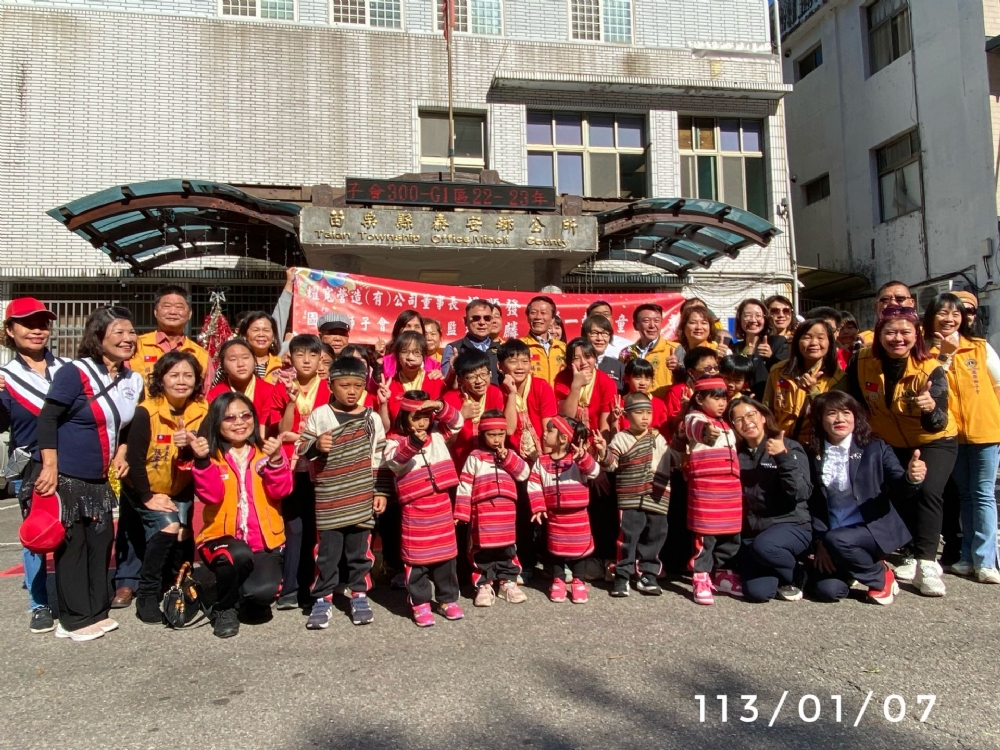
<point>25,307</point>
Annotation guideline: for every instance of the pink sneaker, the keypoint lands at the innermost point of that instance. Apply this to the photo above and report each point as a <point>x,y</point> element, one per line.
<point>578,591</point>
<point>422,615</point>
<point>557,591</point>
<point>703,589</point>
<point>451,611</point>
<point>728,582</point>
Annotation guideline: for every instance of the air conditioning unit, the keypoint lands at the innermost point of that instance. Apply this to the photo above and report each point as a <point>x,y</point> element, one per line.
<point>927,294</point>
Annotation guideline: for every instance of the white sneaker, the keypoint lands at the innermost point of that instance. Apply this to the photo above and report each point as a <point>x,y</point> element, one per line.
<point>107,624</point>
<point>906,570</point>
<point>89,633</point>
<point>928,578</point>
<point>961,568</point>
<point>988,575</point>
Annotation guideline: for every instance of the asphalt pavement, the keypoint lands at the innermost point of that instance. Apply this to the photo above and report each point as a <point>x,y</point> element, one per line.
<point>608,674</point>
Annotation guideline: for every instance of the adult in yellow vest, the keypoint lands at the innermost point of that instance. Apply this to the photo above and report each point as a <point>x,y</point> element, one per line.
<point>172,311</point>
<point>261,332</point>
<point>647,320</point>
<point>906,392</point>
<point>973,370</point>
<point>890,293</point>
<point>548,354</point>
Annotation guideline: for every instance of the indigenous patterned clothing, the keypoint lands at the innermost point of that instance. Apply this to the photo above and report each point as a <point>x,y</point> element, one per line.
<point>347,478</point>
<point>715,495</point>
<point>487,497</point>
<point>660,417</point>
<point>433,388</point>
<point>559,486</point>
<point>643,468</point>
<point>424,474</point>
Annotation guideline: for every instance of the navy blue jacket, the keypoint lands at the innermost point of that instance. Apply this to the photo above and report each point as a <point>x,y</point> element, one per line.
<point>776,489</point>
<point>876,478</point>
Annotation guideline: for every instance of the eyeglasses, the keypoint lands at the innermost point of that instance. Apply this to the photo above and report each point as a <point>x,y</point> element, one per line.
<point>971,310</point>
<point>746,417</point>
<point>899,299</point>
<point>477,377</point>
<point>780,310</point>
<point>599,334</point>
<point>708,369</point>
<point>480,318</point>
<point>241,417</point>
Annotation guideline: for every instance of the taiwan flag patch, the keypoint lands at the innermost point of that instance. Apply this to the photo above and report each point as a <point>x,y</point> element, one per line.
<point>782,383</point>
<point>150,358</point>
<point>161,439</point>
<point>871,387</point>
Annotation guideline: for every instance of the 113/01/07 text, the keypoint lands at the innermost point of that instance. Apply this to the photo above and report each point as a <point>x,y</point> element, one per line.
<point>810,708</point>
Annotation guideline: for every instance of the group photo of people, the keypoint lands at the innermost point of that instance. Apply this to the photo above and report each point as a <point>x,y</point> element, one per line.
<point>793,457</point>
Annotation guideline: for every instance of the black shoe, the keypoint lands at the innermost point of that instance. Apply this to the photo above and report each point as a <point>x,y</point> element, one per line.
<point>254,613</point>
<point>621,587</point>
<point>226,624</point>
<point>647,585</point>
<point>41,620</point>
<point>288,601</point>
<point>147,610</point>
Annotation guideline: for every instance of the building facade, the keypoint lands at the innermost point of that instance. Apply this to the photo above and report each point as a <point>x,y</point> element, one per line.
<point>891,144</point>
<point>612,99</point>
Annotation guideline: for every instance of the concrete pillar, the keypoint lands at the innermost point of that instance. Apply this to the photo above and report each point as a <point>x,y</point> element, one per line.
<point>548,272</point>
<point>344,263</point>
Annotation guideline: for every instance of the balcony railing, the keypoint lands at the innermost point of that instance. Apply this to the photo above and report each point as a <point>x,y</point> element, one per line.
<point>795,12</point>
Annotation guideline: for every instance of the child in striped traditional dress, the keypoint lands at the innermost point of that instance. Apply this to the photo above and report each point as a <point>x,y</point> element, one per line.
<point>417,453</point>
<point>642,459</point>
<point>345,441</point>
<point>557,489</point>
<point>715,496</point>
<point>487,500</point>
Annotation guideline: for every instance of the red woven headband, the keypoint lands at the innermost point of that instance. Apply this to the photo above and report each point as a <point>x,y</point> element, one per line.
<point>709,384</point>
<point>411,404</point>
<point>562,425</point>
<point>492,423</point>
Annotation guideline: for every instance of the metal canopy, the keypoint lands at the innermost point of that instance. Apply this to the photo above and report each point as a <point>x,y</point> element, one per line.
<point>677,234</point>
<point>150,224</point>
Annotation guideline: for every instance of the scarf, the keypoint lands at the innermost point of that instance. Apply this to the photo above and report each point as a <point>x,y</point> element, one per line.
<point>836,463</point>
<point>482,408</point>
<point>586,393</point>
<point>250,389</point>
<point>412,385</point>
<point>242,461</point>
<point>306,399</point>
<point>529,439</point>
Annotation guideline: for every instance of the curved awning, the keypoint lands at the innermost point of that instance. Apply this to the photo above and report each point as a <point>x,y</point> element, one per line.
<point>150,224</point>
<point>677,234</point>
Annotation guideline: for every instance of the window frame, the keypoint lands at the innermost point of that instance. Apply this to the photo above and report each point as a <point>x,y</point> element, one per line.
<point>891,21</point>
<point>367,23</point>
<point>743,154</point>
<point>439,28</point>
<point>462,163</point>
<point>585,149</point>
<point>601,25</point>
<point>897,168</point>
<point>810,55</point>
<point>823,179</point>
<point>258,16</point>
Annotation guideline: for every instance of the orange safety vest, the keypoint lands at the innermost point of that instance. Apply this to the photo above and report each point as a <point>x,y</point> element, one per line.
<point>787,399</point>
<point>545,365</point>
<point>663,377</point>
<point>898,424</point>
<point>220,518</point>
<point>972,402</point>
<point>148,352</point>
<point>166,474</point>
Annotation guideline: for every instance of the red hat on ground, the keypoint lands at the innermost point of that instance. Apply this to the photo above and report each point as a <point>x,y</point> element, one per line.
<point>43,531</point>
<point>25,307</point>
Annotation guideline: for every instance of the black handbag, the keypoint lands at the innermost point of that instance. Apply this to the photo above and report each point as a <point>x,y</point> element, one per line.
<point>183,604</point>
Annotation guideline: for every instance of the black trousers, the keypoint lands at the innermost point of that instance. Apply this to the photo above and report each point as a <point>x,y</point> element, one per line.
<point>531,545</point>
<point>82,572</point>
<point>242,573</point>
<point>350,545</point>
<point>676,552</point>
<point>298,511</point>
<point>923,513</point>
<point>494,564</point>
<point>714,552</point>
<point>390,530</point>
<point>857,556</point>
<point>640,540</point>
<point>444,576</point>
<point>603,512</point>
<point>951,524</point>
<point>130,547</point>
<point>768,560</point>
<point>577,566</point>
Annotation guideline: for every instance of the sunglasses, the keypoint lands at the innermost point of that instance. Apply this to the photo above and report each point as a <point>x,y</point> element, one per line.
<point>480,318</point>
<point>971,310</point>
<point>780,310</point>
<point>241,417</point>
<point>892,311</point>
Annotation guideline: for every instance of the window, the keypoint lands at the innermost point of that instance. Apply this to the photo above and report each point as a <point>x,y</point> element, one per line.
<point>809,63</point>
<point>474,16</point>
<point>817,190</point>
<point>595,155</point>
<point>470,140</point>
<point>888,32</point>
<point>723,160</point>
<point>601,20</point>
<point>383,14</point>
<point>899,176</point>
<point>280,10</point>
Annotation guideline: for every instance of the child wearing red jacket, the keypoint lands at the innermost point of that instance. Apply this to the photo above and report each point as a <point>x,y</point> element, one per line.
<point>474,396</point>
<point>416,452</point>
<point>487,500</point>
<point>557,489</point>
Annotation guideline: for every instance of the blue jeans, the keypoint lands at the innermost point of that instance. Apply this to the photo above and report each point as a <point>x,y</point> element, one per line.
<point>975,474</point>
<point>35,579</point>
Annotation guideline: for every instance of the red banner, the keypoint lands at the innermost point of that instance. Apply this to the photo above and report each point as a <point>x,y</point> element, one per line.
<point>373,303</point>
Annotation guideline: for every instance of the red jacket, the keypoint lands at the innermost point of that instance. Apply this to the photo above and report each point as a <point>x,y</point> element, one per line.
<point>468,436</point>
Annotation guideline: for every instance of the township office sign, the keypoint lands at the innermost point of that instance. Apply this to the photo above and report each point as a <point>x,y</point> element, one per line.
<point>470,229</point>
